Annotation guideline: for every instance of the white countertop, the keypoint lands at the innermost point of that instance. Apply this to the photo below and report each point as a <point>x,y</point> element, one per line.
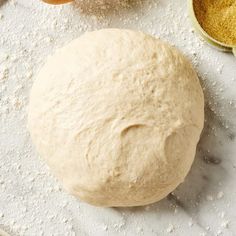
<point>32,203</point>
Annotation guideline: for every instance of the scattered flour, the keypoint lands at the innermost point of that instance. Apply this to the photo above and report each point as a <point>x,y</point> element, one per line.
<point>170,229</point>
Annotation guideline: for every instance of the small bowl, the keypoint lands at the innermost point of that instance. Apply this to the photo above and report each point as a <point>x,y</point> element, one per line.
<point>210,40</point>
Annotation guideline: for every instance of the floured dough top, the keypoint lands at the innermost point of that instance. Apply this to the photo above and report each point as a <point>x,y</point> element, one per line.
<point>117,115</point>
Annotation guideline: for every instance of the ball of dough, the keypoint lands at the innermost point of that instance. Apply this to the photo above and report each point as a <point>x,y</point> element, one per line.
<point>117,115</point>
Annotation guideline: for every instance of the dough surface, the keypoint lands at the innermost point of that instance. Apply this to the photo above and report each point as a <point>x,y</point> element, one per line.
<point>117,115</point>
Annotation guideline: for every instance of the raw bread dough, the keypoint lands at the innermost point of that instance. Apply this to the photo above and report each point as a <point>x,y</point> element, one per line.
<point>117,115</point>
<point>3,233</point>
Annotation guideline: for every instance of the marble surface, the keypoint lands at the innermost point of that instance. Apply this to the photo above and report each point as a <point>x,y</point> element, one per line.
<point>32,203</point>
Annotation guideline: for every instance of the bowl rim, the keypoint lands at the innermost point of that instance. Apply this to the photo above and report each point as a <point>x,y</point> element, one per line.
<point>59,3</point>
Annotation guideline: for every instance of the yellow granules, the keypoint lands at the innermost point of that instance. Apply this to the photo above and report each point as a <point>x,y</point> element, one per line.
<point>217,18</point>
